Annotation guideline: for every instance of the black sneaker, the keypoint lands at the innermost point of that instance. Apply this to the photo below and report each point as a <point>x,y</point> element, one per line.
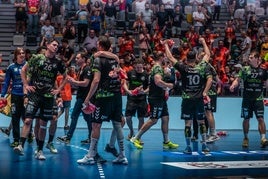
<point>111,150</point>
<point>86,141</point>
<point>5,131</point>
<point>99,159</point>
<point>65,139</point>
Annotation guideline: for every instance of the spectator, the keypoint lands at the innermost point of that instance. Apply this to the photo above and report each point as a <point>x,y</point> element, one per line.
<point>95,22</point>
<point>139,23</point>
<point>82,16</point>
<point>235,52</point>
<point>33,18</point>
<point>126,44</point>
<point>199,20</point>
<point>44,11</point>
<point>217,10</point>
<point>229,37</point>
<point>122,10</point>
<point>177,19</point>
<point>66,53</point>
<point>47,30</point>
<point>145,41</point>
<point>192,37</point>
<point>69,32</point>
<point>90,41</point>
<point>253,27</point>
<point>220,55</point>
<point>109,16</point>
<point>161,17</point>
<point>245,45</point>
<point>139,6</point>
<point>147,15</point>
<point>56,14</point>
<point>20,16</point>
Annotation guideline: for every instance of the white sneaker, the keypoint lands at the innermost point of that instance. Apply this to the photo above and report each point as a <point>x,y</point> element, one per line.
<point>120,160</point>
<point>51,147</point>
<point>18,150</point>
<point>40,155</point>
<point>212,138</point>
<point>86,161</point>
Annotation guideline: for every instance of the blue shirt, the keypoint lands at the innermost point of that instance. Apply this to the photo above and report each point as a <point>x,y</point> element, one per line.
<point>13,74</point>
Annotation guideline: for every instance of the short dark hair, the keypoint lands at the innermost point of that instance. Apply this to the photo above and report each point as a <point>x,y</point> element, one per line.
<point>104,42</point>
<point>191,56</point>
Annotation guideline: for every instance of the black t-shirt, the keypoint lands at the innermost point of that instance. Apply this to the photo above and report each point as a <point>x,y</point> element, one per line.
<point>193,79</point>
<point>156,92</point>
<point>83,74</point>
<point>56,6</point>
<point>136,80</point>
<point>109,82</point>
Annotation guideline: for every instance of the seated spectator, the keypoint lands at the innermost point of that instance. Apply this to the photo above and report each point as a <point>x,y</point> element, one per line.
<point>47,30</point>
<point>90,41</point>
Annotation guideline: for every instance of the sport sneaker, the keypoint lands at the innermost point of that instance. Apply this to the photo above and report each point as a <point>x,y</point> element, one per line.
<point>65,139</point>
<point>188,150</point>
<point>51,147</point>
<point>212,138</point>
<point>14,144</point>
<point>264,143</point>
<point>40,156</point>
<point>18,150</point>
<point>30,138</point>
<point>111,150</point>
<point>5,131</point>
<point>86,141</point>
<point>245,143</point>
<point>86,161</point>
<point>170,145</point>
<point>205,148</point>
<point>99,159</point>
<point>120,160</point>
<point>136,143</point>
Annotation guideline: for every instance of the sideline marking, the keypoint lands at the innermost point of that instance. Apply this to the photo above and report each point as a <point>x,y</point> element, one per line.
<point>100,169</point>
<point>219,165</point>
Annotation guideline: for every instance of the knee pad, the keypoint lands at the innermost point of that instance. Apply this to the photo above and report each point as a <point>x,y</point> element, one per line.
<point>202,128</point>
<point>187,131</point>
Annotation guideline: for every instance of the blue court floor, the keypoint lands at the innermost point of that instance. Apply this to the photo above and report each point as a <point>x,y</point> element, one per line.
<point>227,159</point>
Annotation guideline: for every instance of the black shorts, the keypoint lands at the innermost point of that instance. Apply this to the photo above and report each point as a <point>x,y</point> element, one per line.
<point>43,104</point>
<point>158,108</point>
<point>192,109</point>
<point>249,106</point>
<point>212,105</point>
<point>133,106</point>
<point>108,108</point>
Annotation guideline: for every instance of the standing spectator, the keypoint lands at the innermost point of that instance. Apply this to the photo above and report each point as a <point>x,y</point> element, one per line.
<point>245,45</point>
<point>161,17</point>
<point>195,4</point>
<point>66,53</point>
<point>139,23</point>
<point>210,37</point>
<point>72,5</point>
<point>13,79</point>
<point>229,36</point>
<point>122,10</point>
<point>90,41</point>
<point>109,16</point>
<point>253,27</point>
<point>177,19</point>
<point>235,52</point>
<point>192,37</point>
<point>43,70</point>
<point>44,11</point>
<point>139,6</point>
<point>239,13</point>
<point>33,18</point>
<point>82,16</point>
<point>69,32</point>
<point>155,5</point>
<point>158,105</point>
<point>199,20</point>
<point>20,16</point>
<point>126,44</point>
<point>95,22</point>
<point>147,15</point>
<point>217,10</point>
<point>56,14</point>
<point>66,97</point>
<point>253,77</point>
<point>220,55</point>
<point>145,41</point>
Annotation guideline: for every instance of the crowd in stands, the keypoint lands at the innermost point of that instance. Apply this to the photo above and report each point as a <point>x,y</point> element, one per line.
<point>80,26</point>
